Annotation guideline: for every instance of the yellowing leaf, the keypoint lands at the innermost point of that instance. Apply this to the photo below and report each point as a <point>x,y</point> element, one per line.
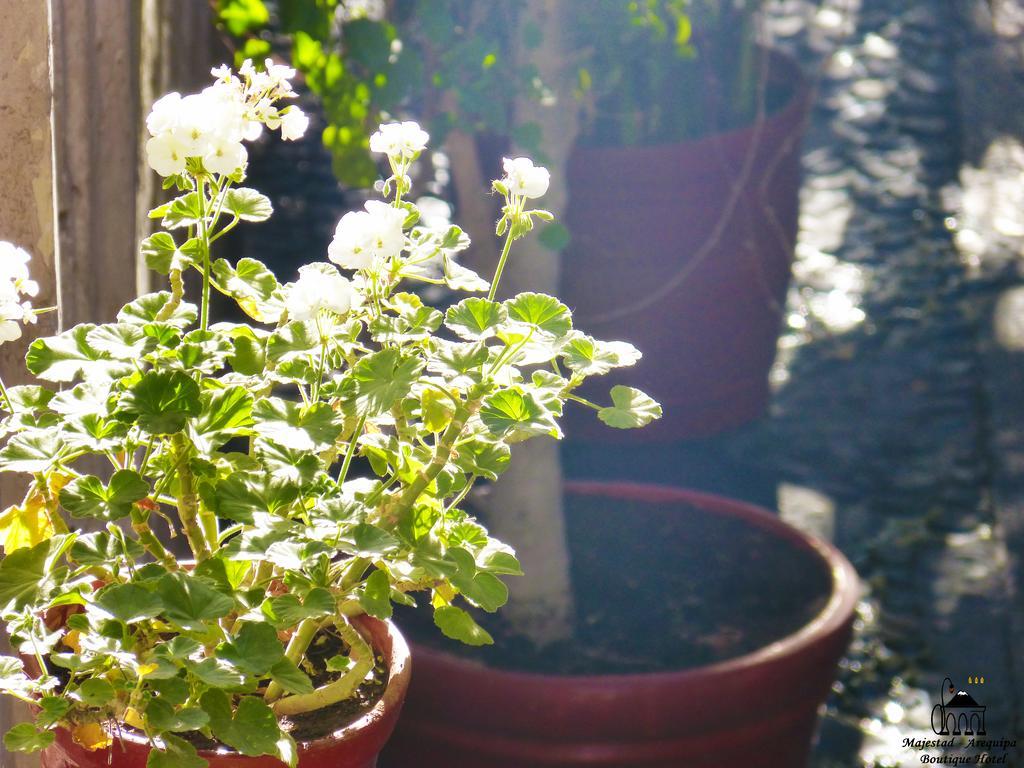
<point>147,669</point>
<point>92,736</point>
<point>71,640</point>
<point>134,719</point>
<point>25,526</point>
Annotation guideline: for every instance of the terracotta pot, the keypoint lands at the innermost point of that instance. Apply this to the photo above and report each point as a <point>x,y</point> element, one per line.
<point>354,746</point>
<point>754,711</point>
<point>659,221</point>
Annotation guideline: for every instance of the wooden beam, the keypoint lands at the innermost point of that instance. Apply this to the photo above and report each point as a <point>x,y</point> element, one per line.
<point>27,204</point>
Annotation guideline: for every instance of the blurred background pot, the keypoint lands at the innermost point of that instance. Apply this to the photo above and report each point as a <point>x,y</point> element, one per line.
<point>354,746</point>
<point>684,249</point>
<point>757,710</point>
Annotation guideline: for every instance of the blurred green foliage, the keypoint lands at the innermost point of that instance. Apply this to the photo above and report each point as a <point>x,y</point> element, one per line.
<point>647,71</point>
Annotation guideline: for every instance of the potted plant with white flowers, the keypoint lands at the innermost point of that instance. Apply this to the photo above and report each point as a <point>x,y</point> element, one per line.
<point>270,642</point>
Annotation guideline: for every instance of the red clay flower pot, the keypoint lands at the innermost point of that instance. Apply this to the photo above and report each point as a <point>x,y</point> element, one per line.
<point>664,221</point>
<point>754,711</point>
<point>354,746</point>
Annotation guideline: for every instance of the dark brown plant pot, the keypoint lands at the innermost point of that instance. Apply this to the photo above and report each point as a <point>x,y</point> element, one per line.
<point>356,745</point>
<point>756,710</point>
<point>685,250</point>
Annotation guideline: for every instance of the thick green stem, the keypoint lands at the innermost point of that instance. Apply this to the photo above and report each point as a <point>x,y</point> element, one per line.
<point>204,235</point>
<point>140,524</point>
<point>442,454</point>
<point>362,662</point>
<point>501,266</point>
<point>188,501</point>
<point>177,292</point>
<point>297,646</point>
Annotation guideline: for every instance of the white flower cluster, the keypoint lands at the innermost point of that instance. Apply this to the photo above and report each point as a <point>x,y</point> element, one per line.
<point>369,238</point>
<point>320,288</point>
<point>14,285</point>
<point>399,141</point>
<point>524,179</point>
<point>213,124</point>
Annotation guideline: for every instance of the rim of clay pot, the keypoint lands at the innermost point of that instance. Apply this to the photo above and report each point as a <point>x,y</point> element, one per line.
<point>782,68</point>
<point>399,673</point>
<point>831,619</point>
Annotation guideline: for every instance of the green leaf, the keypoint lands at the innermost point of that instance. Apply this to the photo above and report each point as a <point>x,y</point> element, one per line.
<point>177,753</point>
<point>382,379</point>
<point>217,674</point>
<point>286,674</point>
<point>414,324</point>
<point>25,737</point>
<point>225,413</point>
<point>287,610</point>
<point>631,409</point>
<point>255,649</point>
<point>590,357</point>
<point>87,496</point>
<point>161,402</point>
<point>122,341</point>
<point>96,692</point>
<point>514,414</point>
<point>144,311</point>
<point>51,710</point>
<point>30,452</point>
<point>203,351</point>
<point>252,728</point>
<point>460,278</point>
<point>69,355</point>
<point>483,589</point>
<point>289,424</point>
<point>252,285</point>
<point>376,596</point>
<point>129,603</point>
<point>503,563</point>
<point>459,625</point>
<point>486,458</point>
<point>370,540</point>
<point>189,602</point>
<point>475,318</point>
<point>103,549</point>
<point>248,204</point>
<point>184,211</point>
<point>163,717</point>
<point>23,575</point>
<point>162,253</point>
<point>543,312</point>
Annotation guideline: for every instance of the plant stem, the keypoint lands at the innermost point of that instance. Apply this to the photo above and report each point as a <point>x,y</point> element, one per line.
<point>204,316</point>
<point>501,266</point>
<point>442,454</point>
<point>343,473</point>
<point>297,646</point>
<point>188,501</point>
<point>6,396</point>
<point>362,655</point>
<point>140,524</point>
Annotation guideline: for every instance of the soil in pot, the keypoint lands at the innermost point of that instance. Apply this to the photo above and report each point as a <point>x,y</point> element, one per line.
<point>704,588</point>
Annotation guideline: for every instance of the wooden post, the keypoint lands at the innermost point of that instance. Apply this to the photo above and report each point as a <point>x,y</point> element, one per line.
<point>27,205</point>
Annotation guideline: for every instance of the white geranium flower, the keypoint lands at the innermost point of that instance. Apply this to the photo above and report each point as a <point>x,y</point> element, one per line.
<point>165,154</point>
<point>366,238</point>
<point>320,287</point>
<point>163,116</point>
<point>294,123</point>
<point>224,156</point>
<point>524,178</point>
<point>399,140</point>
<point>15,283</point>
